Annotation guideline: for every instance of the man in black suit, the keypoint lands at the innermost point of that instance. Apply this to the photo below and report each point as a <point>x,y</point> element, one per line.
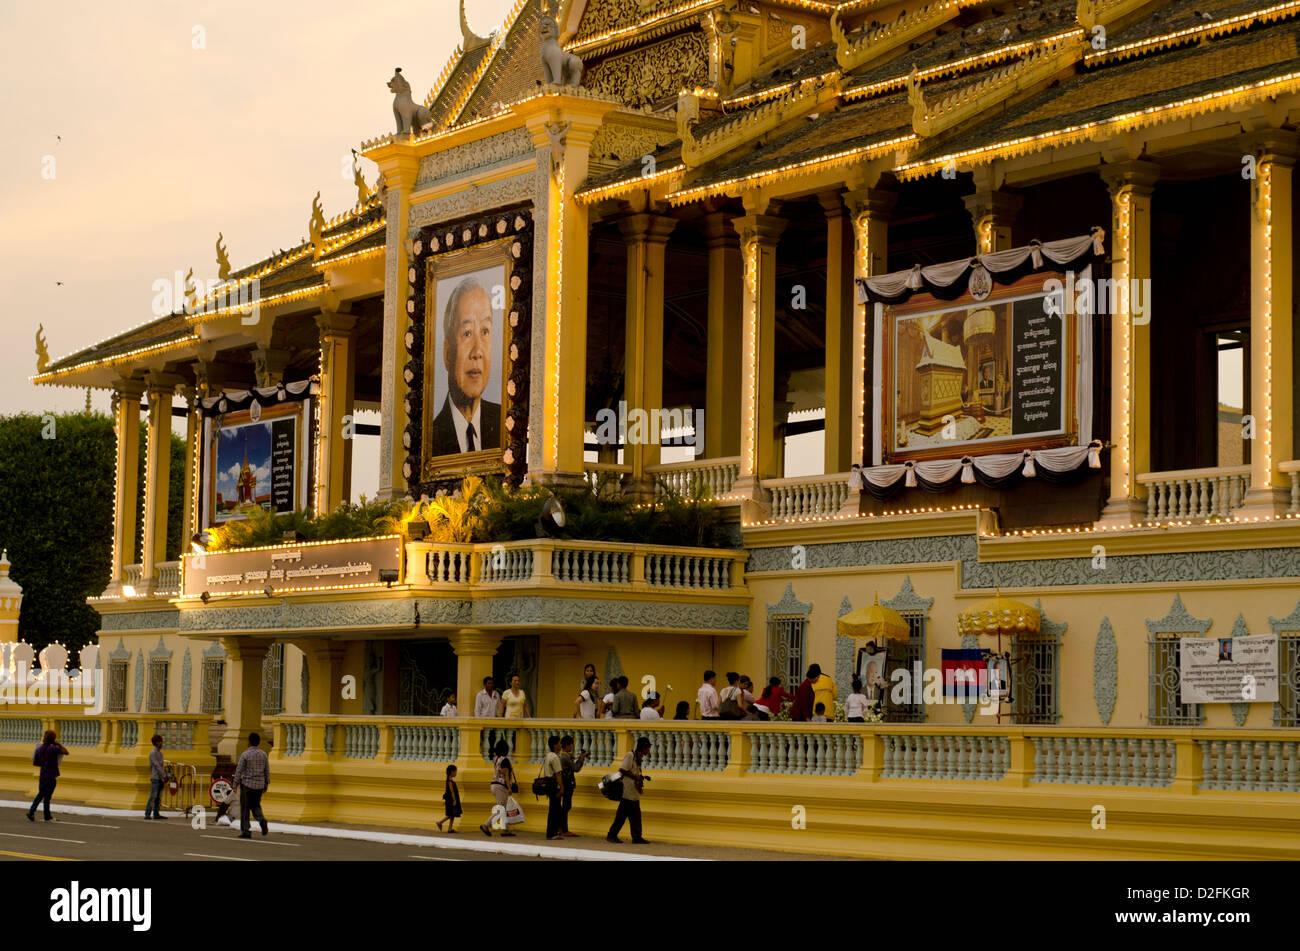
<point>467,421</point>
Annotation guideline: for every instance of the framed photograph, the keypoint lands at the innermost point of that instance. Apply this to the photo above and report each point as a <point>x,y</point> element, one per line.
<point>467,356</point>
<point>968,377</point>
<point>256,460</point>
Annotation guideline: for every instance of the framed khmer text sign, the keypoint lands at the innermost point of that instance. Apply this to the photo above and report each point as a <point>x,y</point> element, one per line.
<point>974,376</point>
<point>308,566</point>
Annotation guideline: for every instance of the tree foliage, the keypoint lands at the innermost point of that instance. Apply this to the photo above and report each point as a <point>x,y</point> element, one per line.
<point>56,518</point>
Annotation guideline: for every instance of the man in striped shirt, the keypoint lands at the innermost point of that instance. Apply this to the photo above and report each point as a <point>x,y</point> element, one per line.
<point>252,776</point>
<point>157,780</point>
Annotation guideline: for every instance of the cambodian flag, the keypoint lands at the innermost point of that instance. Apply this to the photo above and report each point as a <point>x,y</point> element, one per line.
<point>965,674</point>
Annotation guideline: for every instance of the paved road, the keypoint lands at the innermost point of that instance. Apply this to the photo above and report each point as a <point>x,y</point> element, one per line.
<point>114,838</point>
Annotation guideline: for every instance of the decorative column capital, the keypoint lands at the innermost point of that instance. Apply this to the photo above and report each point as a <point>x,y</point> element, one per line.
<point>718,230</point>
<point>1139,176</point>
<point>472,641</point>
<point>993,204</point>
<point>333,323</point>
<point>1274,146</point>
<point>240,649</point>
<point>647,227</point>
<point>875,203</point>
<point>765,229</point>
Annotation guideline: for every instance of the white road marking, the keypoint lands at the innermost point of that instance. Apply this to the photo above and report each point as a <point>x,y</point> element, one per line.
<point>228,858</point>
<point>43,838</point>
<point>227,838</point>
<point>434,858</point>
<point>88,825</point>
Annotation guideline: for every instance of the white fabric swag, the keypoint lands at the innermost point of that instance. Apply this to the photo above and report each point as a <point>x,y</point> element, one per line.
<point>891,286</point>
<point>267,394</point>
<point>996,466</point>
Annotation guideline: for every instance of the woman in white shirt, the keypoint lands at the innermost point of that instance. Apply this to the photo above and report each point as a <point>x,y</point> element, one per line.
<point>449,708</point>
<point>584,706</point>
<point>650,709</point>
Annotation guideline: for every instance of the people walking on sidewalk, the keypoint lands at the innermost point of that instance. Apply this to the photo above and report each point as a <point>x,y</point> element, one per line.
<point>629,807</point>
<point>503,784</point>
<point>451,801</point>
<point>252,777</point>
<point>47,757</point>
<point>157,779</point>
<point>553,773</point>
<point>570,765</point>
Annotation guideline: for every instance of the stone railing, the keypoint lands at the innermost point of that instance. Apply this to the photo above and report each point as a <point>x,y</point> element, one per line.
<point>945,756</point>
<point>14,729</point>
<point>601,745</point>
<point>169,577</point>
<point>1195,493</point>
<point>295,739</point>
<point>133,575</point>
<point>426,743</point>
<point>82,733</point>
<point>804,753</point>
<point>1255,765</point>
<point>1104,761</point>
<point>361,740</point>
<point>716,475</point>
<point>808,496</point>
<point>550,562</point>
<point>1292,468</point>
<point>610,473</point>
<point>107,732</point>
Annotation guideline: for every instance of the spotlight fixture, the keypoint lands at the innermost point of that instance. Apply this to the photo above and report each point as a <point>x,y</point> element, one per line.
<point>551,522</point>
<point>205,597</point>
<point>268,591</point>
<point>388,576</point>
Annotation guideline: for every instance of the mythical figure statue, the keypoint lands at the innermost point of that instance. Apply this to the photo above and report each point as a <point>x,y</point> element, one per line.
<point>363,190</point>
<point>410,116</point>
<point>223,260</point>
<point>191,292</point>
<point>42,352</point>
<point>317,224</point>
<point>557,133</point>
<point>560,68</point>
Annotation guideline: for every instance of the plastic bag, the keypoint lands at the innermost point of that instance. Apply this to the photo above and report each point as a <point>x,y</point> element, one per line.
<point>514,812</point>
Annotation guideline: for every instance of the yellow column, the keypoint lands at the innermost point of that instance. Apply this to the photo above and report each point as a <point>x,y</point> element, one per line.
<point>324,660</point>
<point>243,691</point>
<point>338,370</point>
<point>759,234</point>
<point>157,479</point>
<point>722,400</point>
<point>840,314</point>
<point>871,211</point>
<point>127,424</point>
<point>992,212</point>
<point>193,438</point>
<point>1271,379</point>
<point>646,236</point>
<point>1131,185</point>
<point>400,168</point>
<point>474,652</point>
<point>562,127</point>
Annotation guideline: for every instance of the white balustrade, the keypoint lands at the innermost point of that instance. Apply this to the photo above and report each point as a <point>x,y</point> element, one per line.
<point>295,739</point>
<point>503,564</point>
<point>1104,761</point>
<point>813,754</point>
<point>449,565</point>
<point>1195,493</point>
<point>591,566</point>
<point>717,476</point>
<point>808,496</point>
<point>1292,469</point>
<point>688,571</point>
<point>80,733</point>
<point>176,734</point>
<point>426,743</point>
<point>1251,765</point>
<point>169,577</point>
<point>361,741</point>
<point>954,756</point>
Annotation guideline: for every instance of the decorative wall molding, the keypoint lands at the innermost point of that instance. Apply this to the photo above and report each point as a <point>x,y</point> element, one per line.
<point>1047,627</point>
<point>655,72</point>
<point>139,678</point>
<point>500,149</point>
<point>160,652</point>
<point>969,642</point>
<point>214,650</point>
<point>789,604</point>
<point>1042,573</point>
<point>1287,625</point>
<point>908,600</point>
<point>471,200</point>
<point>187,673</point>
<point>613,668</point>
<point>165,619</point>
<point>1179,621</point>
<point>119,652</point>
<point>1105,672</point>
<point>617,143</point>
<point>844,655</point>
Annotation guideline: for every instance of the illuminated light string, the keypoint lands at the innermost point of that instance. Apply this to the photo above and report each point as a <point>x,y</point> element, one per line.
<point>355,255</point>
<point>862,229</point>
<point>559,313</point>
<point>888,513</point>
<point>1201,31</point>
<point>634,30</point>
<point>627,185</point>
<point>788,171</point>
<point>1265,173</point>
<point>1126,334</point>
<point>751,367</point>
<point>1133,120</point>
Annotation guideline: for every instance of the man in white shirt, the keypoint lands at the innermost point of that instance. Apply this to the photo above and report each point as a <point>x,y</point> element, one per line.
<point>487,700</point>
<point>707,698</point>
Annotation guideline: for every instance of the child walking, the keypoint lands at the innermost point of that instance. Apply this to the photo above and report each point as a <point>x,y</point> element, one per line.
<point>451,800</point>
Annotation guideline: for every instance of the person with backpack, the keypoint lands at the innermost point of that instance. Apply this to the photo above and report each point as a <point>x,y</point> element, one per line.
<point>729,708</point>
<point>157,780</point>
<point>47,757</point>
<point>629,806</point>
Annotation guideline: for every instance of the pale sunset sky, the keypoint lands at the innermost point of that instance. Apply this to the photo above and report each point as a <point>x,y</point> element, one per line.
<point>157,146</point>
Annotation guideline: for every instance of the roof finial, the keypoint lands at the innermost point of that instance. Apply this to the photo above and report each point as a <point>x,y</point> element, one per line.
<point>469,39</point>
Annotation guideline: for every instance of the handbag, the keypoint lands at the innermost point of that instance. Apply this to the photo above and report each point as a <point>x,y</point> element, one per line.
<point>611,787</point>
<point>543,785</point>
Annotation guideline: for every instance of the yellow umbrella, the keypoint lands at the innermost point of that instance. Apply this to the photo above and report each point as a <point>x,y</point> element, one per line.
<point>998,616</point>
<point>876,622</point>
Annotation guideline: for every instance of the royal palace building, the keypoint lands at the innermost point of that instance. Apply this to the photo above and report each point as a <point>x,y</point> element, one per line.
<point>975,314</point>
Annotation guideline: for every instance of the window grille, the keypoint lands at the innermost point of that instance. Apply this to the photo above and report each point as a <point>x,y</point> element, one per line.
<point>786,636</point>
<point>158,686</point>
<point>1035,680</point>
<point>213,685</point>
<point>273,681</point>
<point>117,671</point>
<point>1165,684</point>
<point>906,656</point>
<point>1286,712</point>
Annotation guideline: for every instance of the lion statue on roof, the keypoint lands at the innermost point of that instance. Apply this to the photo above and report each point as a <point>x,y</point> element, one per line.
<point>410,116</point>
<point>560,68</point>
